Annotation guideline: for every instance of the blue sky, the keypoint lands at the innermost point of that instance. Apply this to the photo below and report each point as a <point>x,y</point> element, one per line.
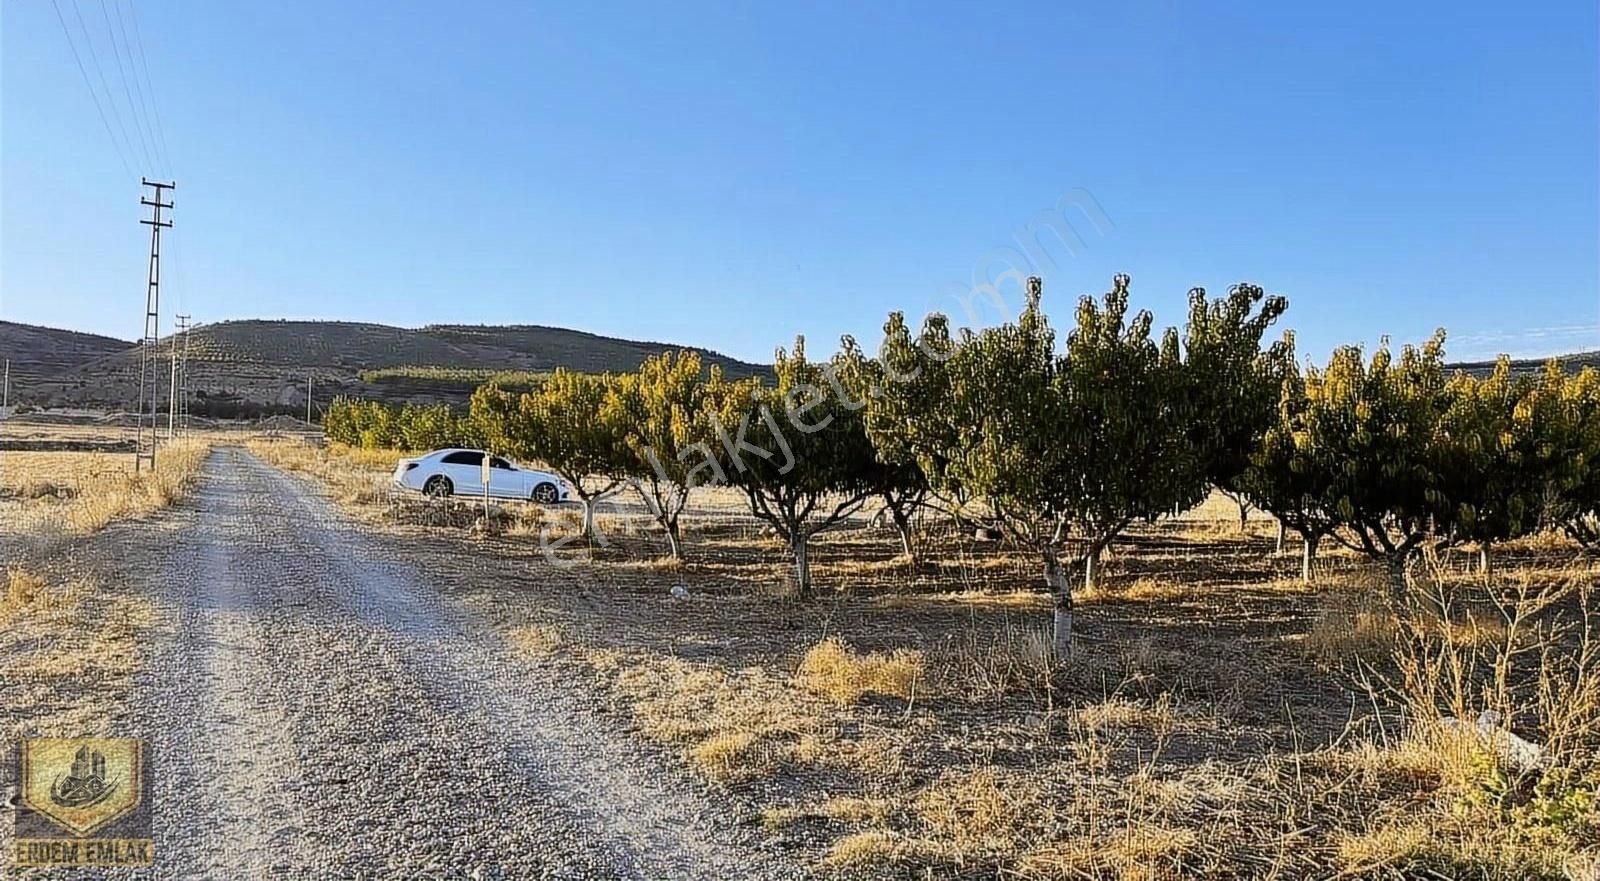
<point>729,175</point>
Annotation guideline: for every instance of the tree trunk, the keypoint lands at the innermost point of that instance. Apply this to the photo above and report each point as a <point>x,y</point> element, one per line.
<point>588,517</point>
<point>1283,531</point>
<point>1244,513</point>
<point>902,525</point>
<point>1055,578</point>
<point>1395,564</point>
<point>674,540</point>
<point>1308,555</point>
<point>1484,566</point>
<point>1091,567</point>
<point>802,566</point>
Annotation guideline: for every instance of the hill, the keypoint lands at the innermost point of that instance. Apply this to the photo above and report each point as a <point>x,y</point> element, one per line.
<point>250,367</point>
<point>37,351</point>
<point>1572,363</point>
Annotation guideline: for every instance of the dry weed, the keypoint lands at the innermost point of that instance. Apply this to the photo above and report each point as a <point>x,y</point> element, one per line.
<point>831,669</point>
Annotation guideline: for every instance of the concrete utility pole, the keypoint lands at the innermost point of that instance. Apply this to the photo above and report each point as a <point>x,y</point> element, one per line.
<point>183,377</point>
<point>149,357</point>
<point>308,398</point>
<point>5,397</point>
<point>172,394</point>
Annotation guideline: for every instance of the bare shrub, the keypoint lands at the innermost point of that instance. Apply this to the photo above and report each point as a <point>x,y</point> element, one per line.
<point>1506,714</point>
<point>1015,658</point>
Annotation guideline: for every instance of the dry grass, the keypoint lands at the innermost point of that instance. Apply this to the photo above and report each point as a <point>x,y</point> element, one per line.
<point>28,592</point>
<point>355,477</point>
<point>538,640</point>
<point>1354,627</point>
<point>831,669</point>
<point>732,725</point>
<point>82,493</point>
<point>74,636</point>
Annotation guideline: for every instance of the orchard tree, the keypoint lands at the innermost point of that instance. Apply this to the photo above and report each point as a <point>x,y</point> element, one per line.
<point>797,450</point>
<point>900,483</point>
<point>1497,458</point>
<point>562,423</point>
<point>1284,477</point>
<point>665,412</point>
<point>1568,409</point>
<point>339,422</point>
<point>1068,450</point>
<point>1369,439</point>
<point>1232,380</point>
<point>432,427</point>
<point>1130,425</point>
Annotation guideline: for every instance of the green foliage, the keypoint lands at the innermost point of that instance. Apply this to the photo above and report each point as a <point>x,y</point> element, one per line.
<point>1381,455</point>
<point>1572,429</point>
<point>562,423</point>
<point>377,426</point>
<point>665,412</point>
<point>1359,446</point>
<point>1231,379</point>
<point>895,475</point>
<point>1119,427</point>
<point>1497,461</point>
<point>798,450</point>
<point>464,377</point>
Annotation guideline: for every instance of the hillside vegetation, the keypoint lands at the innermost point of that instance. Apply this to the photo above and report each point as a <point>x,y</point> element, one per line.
<point>258,366</point>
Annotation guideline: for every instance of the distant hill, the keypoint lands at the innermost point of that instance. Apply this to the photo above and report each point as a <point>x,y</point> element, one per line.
<point>256,367</point>
<point>251,367</point>
<point>361,346</point>
<point>36,351</point>
<point>1572,363</point>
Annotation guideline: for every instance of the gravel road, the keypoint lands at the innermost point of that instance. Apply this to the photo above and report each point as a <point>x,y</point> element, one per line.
<point>319,710</point>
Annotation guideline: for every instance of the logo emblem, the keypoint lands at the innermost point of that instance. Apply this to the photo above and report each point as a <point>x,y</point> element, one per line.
<point>81,783</point>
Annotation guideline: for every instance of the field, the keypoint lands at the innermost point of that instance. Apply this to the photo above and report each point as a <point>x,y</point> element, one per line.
<point>72,621</point>
<point>1219,718</point>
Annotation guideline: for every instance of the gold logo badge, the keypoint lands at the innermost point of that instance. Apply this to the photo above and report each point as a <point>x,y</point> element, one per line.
<point>83,785</point>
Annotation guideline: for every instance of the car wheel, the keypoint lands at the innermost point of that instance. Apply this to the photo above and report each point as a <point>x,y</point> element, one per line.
<point>546,493</point>
<point>437,487</point>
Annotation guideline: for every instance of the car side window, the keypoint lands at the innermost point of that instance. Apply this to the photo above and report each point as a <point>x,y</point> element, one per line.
<point>500,463</point>
<point>463,458</point>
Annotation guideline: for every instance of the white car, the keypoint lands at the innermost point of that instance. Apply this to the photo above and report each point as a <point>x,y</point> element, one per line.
<point>460,472</point>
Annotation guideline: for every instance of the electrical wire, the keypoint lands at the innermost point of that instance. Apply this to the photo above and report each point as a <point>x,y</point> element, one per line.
<point>126,166</point>
<point>134,110</point>
<point>94,58</point>
<point>150,90</point>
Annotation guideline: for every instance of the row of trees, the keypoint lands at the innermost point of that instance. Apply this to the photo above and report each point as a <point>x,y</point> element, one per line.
<point>377,426</point>
<point>1061,448</point>
<point>1383,454</point>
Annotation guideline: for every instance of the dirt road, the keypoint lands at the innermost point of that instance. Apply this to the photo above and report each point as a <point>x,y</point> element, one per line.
<point>320,710</point>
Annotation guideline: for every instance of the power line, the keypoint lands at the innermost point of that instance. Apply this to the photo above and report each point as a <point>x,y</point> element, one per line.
<point>150,89</point>
<point>94,58</point>
<point>134,108</point>
<point>94,97</point>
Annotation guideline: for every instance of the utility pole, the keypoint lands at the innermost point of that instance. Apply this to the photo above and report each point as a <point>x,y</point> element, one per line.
<point>183,377</point>
<point>149,357</point>
<point>308,398</point>
<point>5,397</point>
<point>173,401</point>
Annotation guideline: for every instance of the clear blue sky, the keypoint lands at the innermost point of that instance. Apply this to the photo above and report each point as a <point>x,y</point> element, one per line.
<point>728,175</point>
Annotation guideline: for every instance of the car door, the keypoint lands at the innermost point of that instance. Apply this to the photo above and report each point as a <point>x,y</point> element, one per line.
<point>464,468</point>
<point>505,480</point>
